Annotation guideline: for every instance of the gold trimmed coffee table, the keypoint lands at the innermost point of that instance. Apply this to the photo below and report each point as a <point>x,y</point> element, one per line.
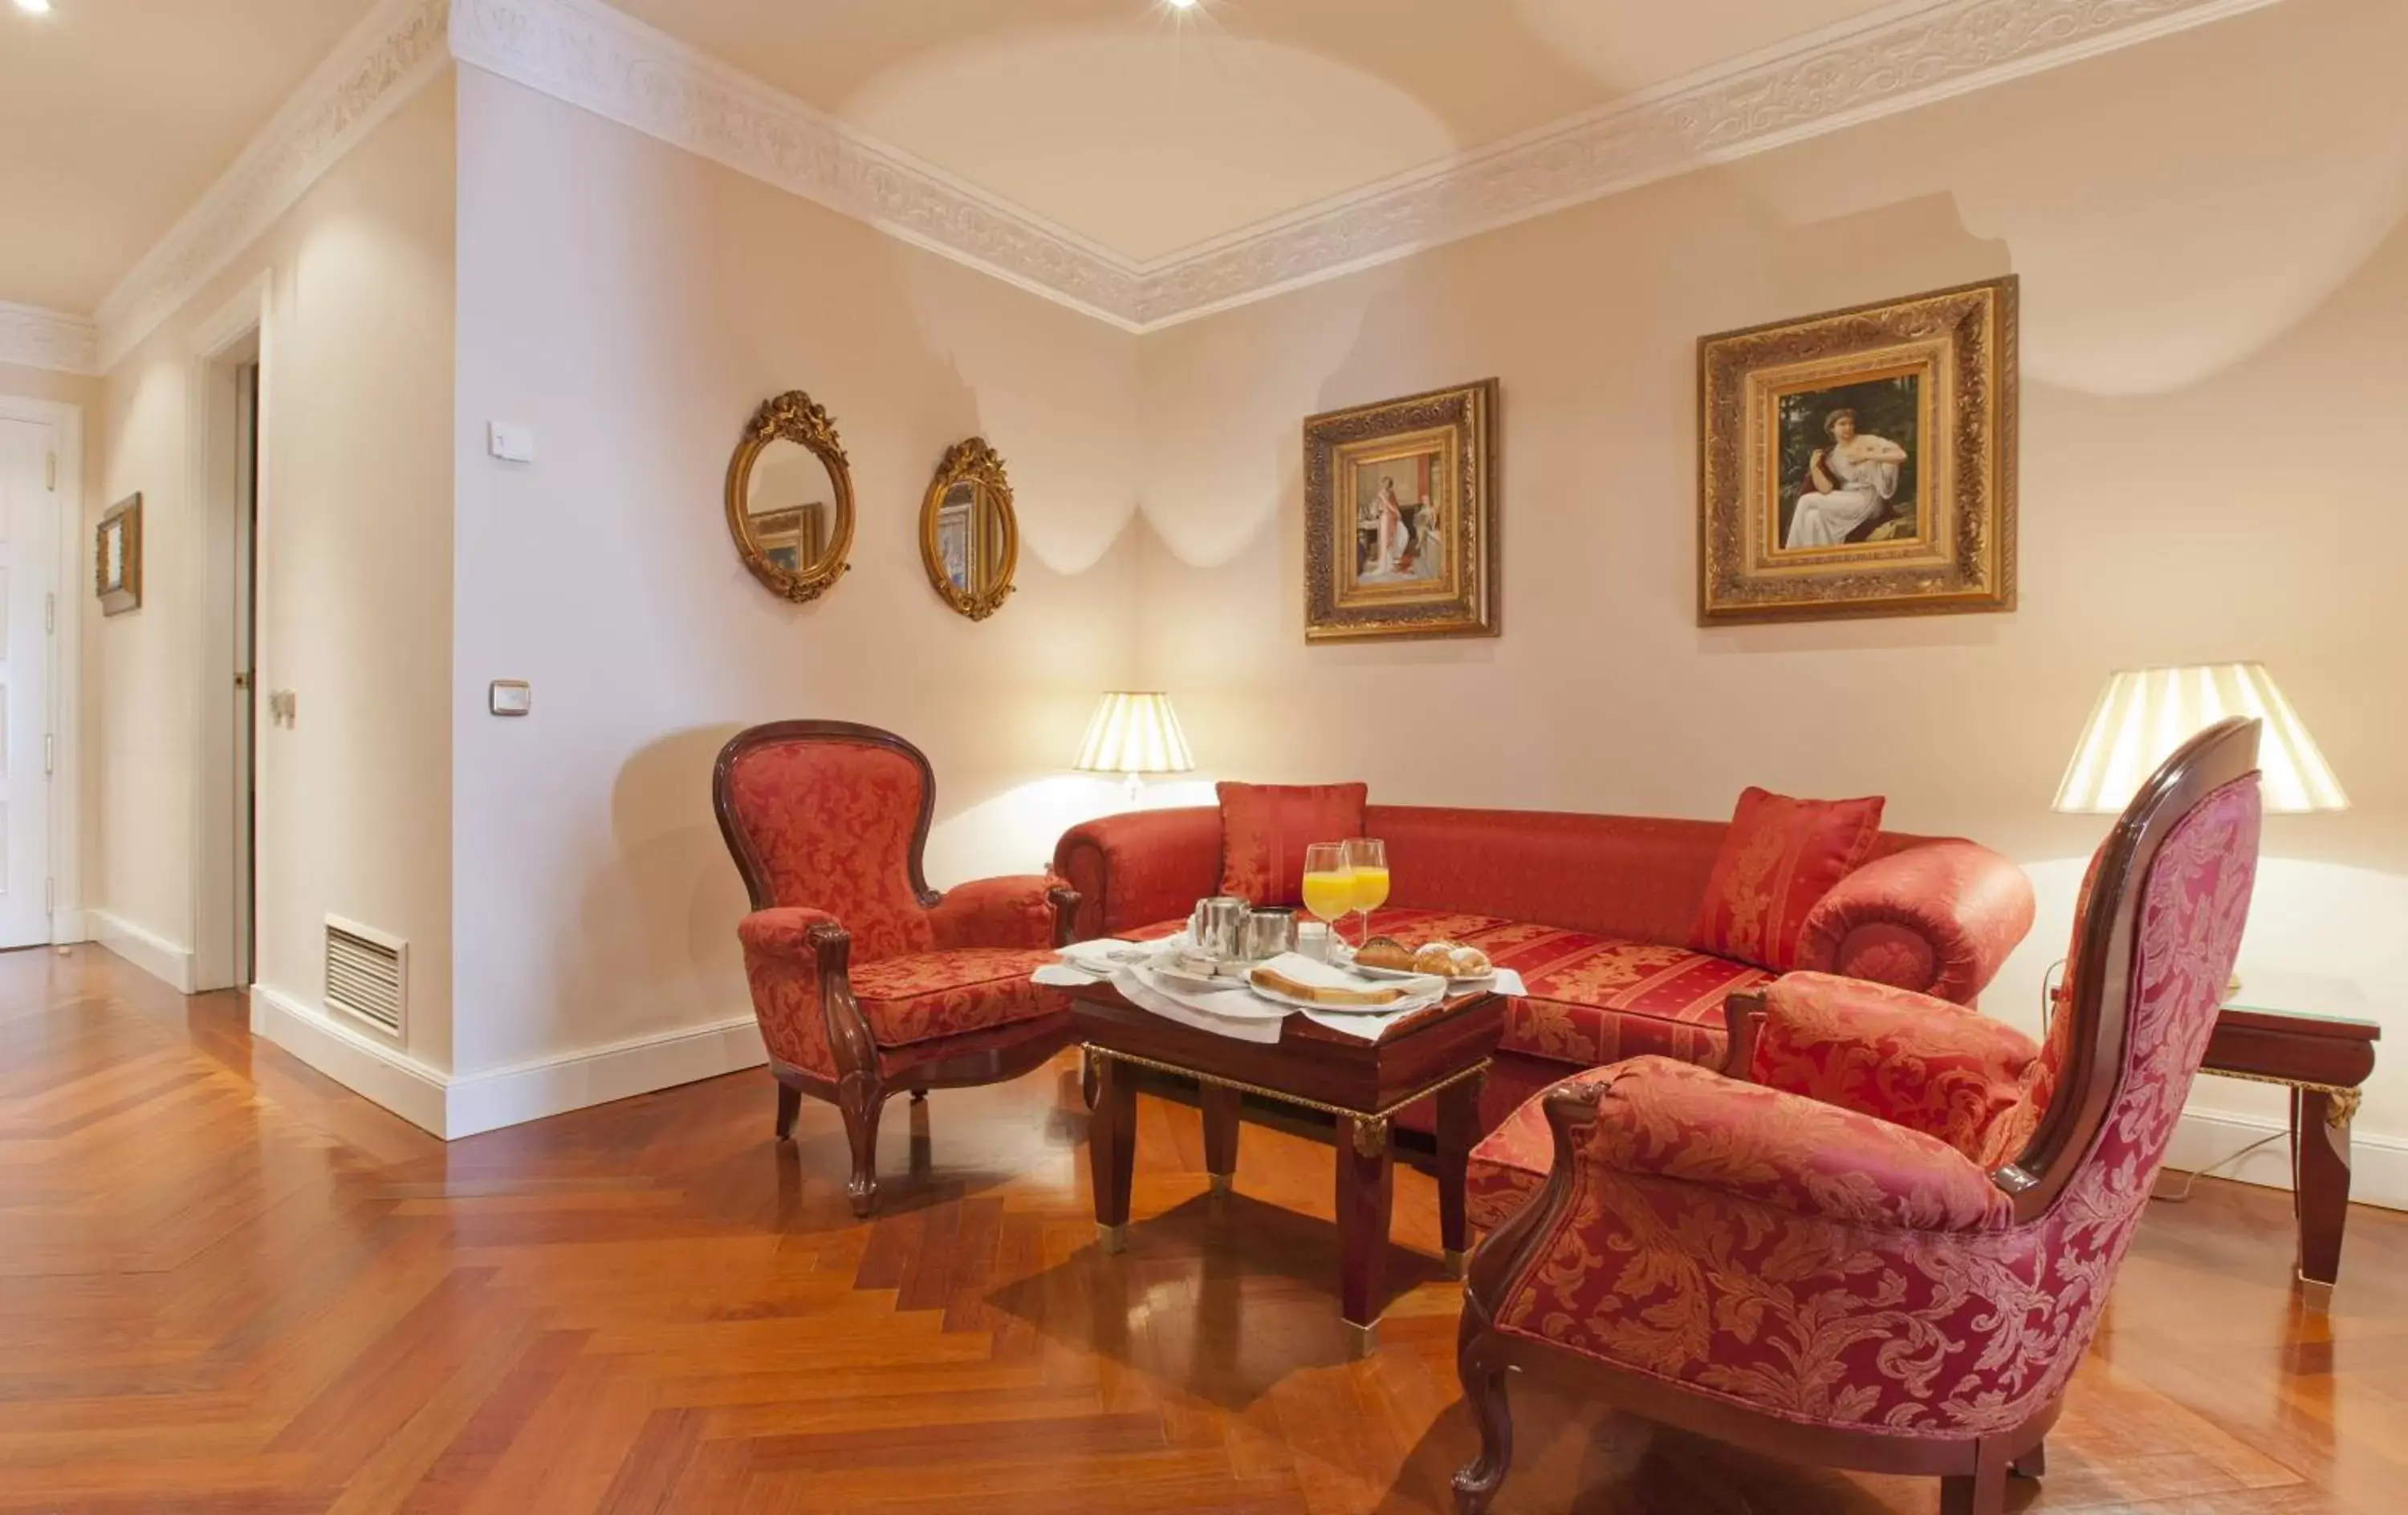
<point>1443,1053</point>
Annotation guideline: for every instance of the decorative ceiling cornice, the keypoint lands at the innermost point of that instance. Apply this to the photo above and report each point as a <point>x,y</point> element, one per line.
<point>584,53</point>
<point>34,338</point>
<point>1895,59</point>
<point>396,48</point>
<point>590,56</point>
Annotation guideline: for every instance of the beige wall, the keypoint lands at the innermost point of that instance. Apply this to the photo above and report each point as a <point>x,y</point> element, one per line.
<point>355,592</point>
<point>2215,297</point>
<point>632,304</point>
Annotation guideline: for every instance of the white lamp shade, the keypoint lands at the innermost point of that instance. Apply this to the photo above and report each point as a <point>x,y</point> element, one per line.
<point>2147,712</point>
<point>1134,733</point>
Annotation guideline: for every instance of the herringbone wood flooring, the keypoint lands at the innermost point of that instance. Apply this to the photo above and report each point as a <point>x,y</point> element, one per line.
<point>228,1285</point>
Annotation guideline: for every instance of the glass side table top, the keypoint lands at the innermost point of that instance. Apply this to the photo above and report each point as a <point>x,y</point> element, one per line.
<point>2307,996</point>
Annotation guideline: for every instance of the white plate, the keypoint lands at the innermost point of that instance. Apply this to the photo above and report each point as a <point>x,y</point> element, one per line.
<point>1478,980</point>
<point>1298,1002</point>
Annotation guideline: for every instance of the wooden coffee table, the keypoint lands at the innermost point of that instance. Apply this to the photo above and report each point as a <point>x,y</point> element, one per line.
<point>1442,1051</point>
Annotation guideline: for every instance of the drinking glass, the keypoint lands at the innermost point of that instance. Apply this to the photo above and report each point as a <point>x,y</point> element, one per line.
<point>1367,864</point>
<point>1329,888</point>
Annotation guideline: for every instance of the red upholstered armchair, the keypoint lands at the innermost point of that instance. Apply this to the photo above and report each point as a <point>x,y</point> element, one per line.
<point>1889,1251</point>
<point>867,981</point>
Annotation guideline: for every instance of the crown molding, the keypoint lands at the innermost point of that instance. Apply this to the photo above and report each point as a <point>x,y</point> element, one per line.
<point>589,55</point>
<point>395,51</point>
<point>1895,59</point>
<point>34,338</point>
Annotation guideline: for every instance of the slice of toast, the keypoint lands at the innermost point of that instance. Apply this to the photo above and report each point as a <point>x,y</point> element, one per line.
<point>1318,994</point>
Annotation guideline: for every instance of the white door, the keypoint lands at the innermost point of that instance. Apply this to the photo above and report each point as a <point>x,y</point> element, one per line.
<point>28,580</point>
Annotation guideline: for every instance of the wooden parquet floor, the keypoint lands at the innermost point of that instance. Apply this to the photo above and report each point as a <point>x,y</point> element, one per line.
<point>227,1285</point>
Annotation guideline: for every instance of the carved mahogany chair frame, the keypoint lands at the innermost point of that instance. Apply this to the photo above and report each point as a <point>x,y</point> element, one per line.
<point>862,1083</point>
<point>1972,1472</point>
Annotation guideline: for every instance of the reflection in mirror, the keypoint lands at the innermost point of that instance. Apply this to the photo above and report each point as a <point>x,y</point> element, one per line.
<point>968,536</point>
<point>790,498</point>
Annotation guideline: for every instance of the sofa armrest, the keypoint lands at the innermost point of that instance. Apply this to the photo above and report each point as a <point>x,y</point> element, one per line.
<point>1019,910</point>
<point>1938,919</point>
<point>1659,1117</point>
<point>1928,1064</point>
<point>1135,869</point>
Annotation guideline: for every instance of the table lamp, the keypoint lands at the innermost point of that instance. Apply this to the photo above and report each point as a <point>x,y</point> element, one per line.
<point>1134,733</point>
<point>2146,713</point>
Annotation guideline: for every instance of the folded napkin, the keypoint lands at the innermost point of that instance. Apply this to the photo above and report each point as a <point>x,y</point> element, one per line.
<point>1104,955</point>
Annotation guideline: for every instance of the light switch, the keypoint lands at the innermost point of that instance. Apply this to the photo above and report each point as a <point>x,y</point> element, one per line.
<point>509,441</point>
<point>510,696</point>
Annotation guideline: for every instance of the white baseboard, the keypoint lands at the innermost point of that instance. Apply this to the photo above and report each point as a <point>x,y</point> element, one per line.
<point>352,1058</point>
<point>155,954</point>
<point>453,1106</point>
<point>2378,1165</point>
<point>598,1075</point>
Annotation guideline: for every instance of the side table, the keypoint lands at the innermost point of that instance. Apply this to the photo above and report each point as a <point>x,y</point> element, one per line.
<point>2322,1060</point>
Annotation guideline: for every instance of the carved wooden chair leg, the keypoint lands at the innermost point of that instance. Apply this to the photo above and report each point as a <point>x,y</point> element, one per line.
<point>1484,1392</point>
<point>790,1104</point>
<point>862,1100</point>
<point>919,1096</point>
<point>2033,1464</point>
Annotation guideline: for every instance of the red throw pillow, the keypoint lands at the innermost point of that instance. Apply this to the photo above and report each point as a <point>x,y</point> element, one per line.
<point>1779,858</point>
<point>1265,829</point>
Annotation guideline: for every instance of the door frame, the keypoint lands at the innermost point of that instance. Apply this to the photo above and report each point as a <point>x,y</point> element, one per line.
<point>237,335</point>
<point>68,922</point>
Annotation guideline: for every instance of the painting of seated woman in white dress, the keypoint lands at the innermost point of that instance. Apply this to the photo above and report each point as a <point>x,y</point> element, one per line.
<point>1848,464</point>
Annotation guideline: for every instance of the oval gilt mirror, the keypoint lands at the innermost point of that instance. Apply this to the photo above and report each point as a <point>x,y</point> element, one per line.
<point>790,498</point>
<point>968,537</point>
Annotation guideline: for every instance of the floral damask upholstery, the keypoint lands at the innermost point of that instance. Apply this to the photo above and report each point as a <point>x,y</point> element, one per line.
<point>1780,858</point>
<point>1940,918</point>
<point>863,980</point>
<point>1819,1263</point>
<point>1265,829</point>
<point>932,994</point>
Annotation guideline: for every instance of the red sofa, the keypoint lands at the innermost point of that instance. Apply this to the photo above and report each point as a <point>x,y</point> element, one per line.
<point>1593,911</point>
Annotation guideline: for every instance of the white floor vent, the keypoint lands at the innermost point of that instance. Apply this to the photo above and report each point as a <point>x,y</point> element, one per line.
<point>368,974</point>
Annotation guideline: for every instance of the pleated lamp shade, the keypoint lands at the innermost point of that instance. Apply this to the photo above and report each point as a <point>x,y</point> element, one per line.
<point>1134,733</point>
<point>2147,712</point>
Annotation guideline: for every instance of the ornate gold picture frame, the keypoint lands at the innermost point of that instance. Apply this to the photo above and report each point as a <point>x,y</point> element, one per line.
<point>1400,518</point>
<point>117,557</point>
<point>969,536</point>
<point>1860,463</point>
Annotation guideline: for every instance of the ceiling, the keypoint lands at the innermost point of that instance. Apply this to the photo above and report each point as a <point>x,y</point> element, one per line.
<point>1147,131</point>
<point>117,115</point>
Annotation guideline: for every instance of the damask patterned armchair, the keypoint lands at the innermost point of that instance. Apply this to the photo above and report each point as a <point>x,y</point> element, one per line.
<point>1888,1251</point>
<point>866,981</point>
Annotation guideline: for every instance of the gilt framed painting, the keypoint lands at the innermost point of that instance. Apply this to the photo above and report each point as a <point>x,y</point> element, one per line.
<point>1400,518</point>
<point>1860,463</point>
<point>117,557</point>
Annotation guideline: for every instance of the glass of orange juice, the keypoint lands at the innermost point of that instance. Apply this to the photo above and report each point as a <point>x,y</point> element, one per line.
<point>1367,866</point>
<point>1329,887</point>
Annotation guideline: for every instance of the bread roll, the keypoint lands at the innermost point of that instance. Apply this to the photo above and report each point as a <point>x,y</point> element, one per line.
<point>1469,962</point>
<point>1317,994</point>
<point>1436,957</point>
<point>1384,952</point>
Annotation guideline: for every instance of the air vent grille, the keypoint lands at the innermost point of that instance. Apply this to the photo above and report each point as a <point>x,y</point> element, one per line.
<point>366,973</point>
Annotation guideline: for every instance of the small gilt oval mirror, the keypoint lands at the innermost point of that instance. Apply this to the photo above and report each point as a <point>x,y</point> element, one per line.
<point>790,498</point>
<point>968,537</point>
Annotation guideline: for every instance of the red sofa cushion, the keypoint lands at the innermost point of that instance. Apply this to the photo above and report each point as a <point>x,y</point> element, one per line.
<point>1595,1000</point>
<point>1780,857</point>
<point>930,994</point>
<point>1265,829</point>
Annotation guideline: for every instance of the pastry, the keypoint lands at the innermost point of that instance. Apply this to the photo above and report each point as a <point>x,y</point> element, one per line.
<point>1318,995</point>
<point>1384,952</point>
<point>1469,962</point>
<point>1436,957</point>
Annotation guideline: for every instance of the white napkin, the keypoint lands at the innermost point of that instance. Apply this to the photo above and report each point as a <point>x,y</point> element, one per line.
<point>1236,1012</point>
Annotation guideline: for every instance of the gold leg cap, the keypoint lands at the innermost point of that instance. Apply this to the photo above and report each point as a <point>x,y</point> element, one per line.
<point>1113,1239</point>
<point>1223,1182</point>
<point>1362,1340</point>
<point>1457,1263</point>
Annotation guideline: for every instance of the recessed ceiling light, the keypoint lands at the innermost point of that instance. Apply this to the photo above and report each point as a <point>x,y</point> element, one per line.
<point>42,7</point>
<point>1175,5</point>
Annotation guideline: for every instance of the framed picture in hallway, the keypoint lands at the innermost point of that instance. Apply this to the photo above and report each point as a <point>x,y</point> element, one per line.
<point>1400,518</point>
<point>117,557</point>
<point>1860,463</point>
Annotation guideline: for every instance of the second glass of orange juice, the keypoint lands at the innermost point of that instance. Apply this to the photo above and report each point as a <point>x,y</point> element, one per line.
<point>1367,866</point>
